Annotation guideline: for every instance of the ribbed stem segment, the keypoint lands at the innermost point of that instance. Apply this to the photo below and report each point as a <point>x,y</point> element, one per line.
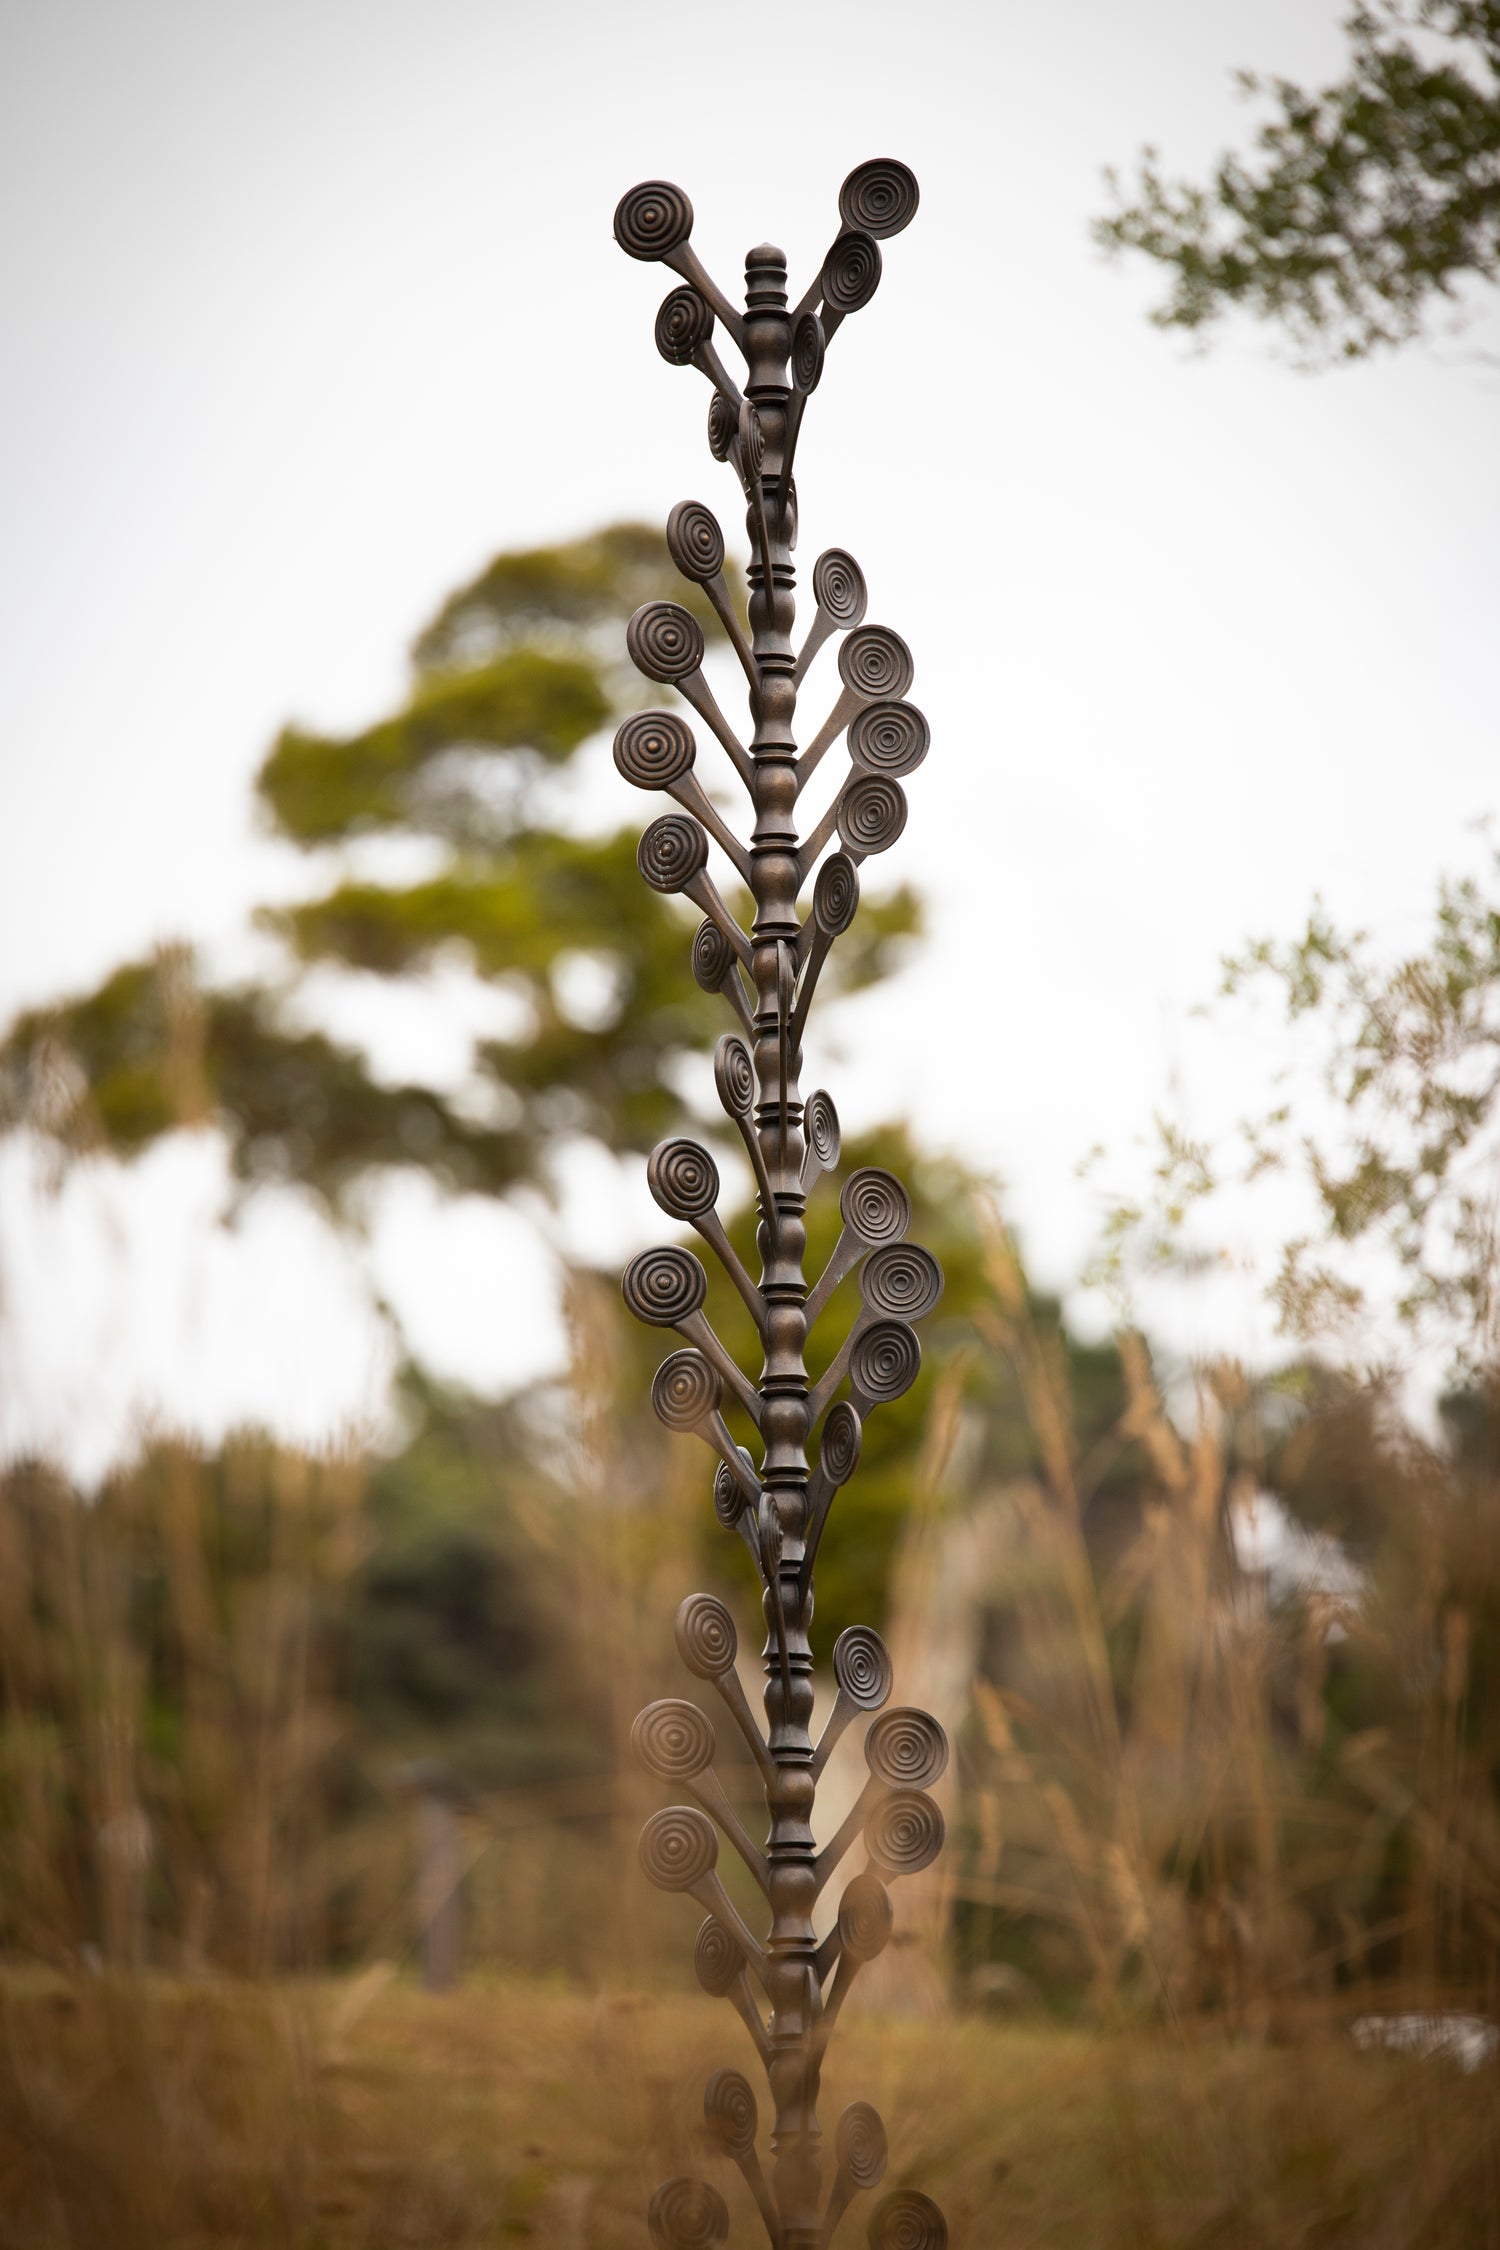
<point>797,2175</point>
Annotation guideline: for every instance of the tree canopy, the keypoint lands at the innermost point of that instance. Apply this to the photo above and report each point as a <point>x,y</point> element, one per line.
<point>1365,204</point>
<point>516,673</point>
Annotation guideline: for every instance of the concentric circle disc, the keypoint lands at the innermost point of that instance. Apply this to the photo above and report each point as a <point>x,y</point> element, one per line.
<point>906,1748</point>
<point>679,1846</point>
<point>683,1178</point>
<point>653,220</point>
<point>686,1390</point>
<point>880,197</point>
<point>875,1206</point>
<point>695,542</point>
<point>904,1833</point>
<point>908,2220</point>
<point>901,1281</point>
<point>664,1287</point>
<point>690,2215</point>
<point>862,1667</point>
<point>706,1639</point>
<point>673,1739</point>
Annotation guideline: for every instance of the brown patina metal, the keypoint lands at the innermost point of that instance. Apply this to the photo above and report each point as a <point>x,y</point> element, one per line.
<point>779,1505</point>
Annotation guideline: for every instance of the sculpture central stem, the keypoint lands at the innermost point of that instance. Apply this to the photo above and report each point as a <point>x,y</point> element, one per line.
<point>778,1508</point>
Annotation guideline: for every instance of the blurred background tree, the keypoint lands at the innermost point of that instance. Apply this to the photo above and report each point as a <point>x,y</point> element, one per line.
<point>514,675</point>
<point>1367,205</point>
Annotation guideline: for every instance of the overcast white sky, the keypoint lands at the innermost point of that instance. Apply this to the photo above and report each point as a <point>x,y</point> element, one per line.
<point>309,308</point>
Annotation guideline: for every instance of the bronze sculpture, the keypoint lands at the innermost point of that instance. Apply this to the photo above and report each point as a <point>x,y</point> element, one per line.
<point>767,976</point>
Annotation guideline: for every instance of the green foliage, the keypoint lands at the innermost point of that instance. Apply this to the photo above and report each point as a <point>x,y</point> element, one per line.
<point>320,790</point>
<point>1402,1169</point>
<point>572,591</point>
<point>461,1643</point>
<point>1369,199</point>
<point>515,673</point>
<point>149,1052</point>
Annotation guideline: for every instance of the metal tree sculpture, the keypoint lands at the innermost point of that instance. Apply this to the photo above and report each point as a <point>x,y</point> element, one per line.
<point>768,976</point>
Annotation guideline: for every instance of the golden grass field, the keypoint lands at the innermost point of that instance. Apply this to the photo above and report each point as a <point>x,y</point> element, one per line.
<point>320,2116</point>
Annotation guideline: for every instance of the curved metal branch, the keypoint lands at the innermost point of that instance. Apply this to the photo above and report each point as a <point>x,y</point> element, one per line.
<point>742,2000</point>
<point>816,842</point>
<point>694,798</point>
<point>850,701</point>
<point>718,593</point>
<point>755,2181</point>
<point>695,1327</point>
<point>838,1367</point>
<point>709,1791</point>
<point>733,1697</point>
<point>696,689</point>
<point>844,1709</point>
<point>708,362</point>
<point>704,893</point>
<point>734,1079</point>
<point>841,597</point>
<point>710,1227</point>
<point>847,1253</point>
<point>849,1827</point>
<point>710,1893</point>
<point>685,260</point>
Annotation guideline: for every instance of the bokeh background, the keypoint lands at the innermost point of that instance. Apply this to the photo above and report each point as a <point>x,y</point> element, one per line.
<point>337,1545</point>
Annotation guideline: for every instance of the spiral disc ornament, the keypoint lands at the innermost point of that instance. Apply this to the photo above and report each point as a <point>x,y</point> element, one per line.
<point>873,662</point>
<point>672,851</point>
<point>862,1667</point>
<point>654,748</point>
<point>875,1206</point>
<point>807,353</point>
<point>717,1960</point>
<point>734,1076</point>
<point>695,542</point>
<point>673,1739</point>
<point>866,1917</point>
<point>686,1390</point>
<point>880,197</point>
<point>851,272</point>
<point>905,1748</point>
<point>836,895</point>
<point>820,1126</point>
<point>752,441</point>
<point>683,1178</point>
<point>723,426</point>
<point>901,1281</point>
<point>872,813</point>
<point>885,1362</point>
<point>838,1455</point>
<point>713,956</point>
<point>679,1846</point>
<point>729,1498</point>
<point>730,2113</point>
<point>653,220</point>
<point>688,2215</point>
<point>706,1639</point>
<point>891,738</point>
<point>860,2145</point>
<point>665,641</point>
<point>664,1287</point>
<point>839,587</point>
<point>904,1832</point>
<point>908,2220</point>
<point>683,326</point>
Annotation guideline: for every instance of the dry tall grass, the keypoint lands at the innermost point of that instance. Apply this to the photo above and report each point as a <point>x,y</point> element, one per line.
<point>369,2116</point>
<point>1175,1860</point>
